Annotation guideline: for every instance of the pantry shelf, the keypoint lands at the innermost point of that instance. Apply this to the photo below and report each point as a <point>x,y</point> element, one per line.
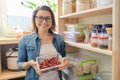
<point>4,40</point>
<point>90,12</point>
<point>5,75</point>
<point>88,47</point>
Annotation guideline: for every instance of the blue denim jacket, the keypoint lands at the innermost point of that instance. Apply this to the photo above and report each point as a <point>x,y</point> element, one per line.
<point>29,48</point>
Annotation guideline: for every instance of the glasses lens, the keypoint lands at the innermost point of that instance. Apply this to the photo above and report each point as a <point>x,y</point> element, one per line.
<point>48,18</point>
<point>41,18</point>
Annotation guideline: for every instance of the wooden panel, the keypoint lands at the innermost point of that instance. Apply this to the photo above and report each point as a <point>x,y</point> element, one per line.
<point>0,62</point>
<point>90,12</point>
<point>62,22</point>
<point>12,74</point>
<point>8,41</point>
<point>116,41</point>
<point>70,48</point>
<point>88,47</point>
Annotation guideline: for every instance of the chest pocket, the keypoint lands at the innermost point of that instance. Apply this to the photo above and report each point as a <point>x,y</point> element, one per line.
<point>31,52</point>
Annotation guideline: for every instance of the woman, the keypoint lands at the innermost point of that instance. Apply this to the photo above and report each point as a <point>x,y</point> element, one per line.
<point>36,44</point>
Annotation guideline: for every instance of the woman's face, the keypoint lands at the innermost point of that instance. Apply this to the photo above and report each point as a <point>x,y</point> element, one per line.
<point>43,20</point>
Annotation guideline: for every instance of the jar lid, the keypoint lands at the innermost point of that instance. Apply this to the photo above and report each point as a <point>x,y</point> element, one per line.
<point>108,25</point>
<point>94,36</point>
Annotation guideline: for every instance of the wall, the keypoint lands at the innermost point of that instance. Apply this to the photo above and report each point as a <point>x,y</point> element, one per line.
<point>3,20</point>
<point>101,19</point>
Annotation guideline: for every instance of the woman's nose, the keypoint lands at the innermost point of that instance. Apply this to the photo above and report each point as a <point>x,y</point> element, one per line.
<point>44,20</point>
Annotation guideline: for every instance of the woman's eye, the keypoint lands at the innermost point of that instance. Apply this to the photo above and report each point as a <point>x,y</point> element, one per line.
<point>41,17</point>
<point>48,18</point>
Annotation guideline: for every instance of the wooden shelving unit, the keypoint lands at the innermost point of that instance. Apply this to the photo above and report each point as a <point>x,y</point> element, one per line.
<point>11,74</point>
<point>4,40</point>
<point>90,12</point>
<point>88,47</point>
<point>110,13</point>
<point>6,74</point>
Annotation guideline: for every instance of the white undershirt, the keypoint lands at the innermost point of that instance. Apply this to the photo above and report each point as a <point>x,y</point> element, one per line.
<point>47,49</point>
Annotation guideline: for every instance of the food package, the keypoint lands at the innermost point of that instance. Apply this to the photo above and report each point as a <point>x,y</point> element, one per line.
<point>49,62</point>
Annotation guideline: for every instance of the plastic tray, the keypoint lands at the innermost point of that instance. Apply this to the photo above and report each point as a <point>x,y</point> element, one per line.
<point>49,62</point>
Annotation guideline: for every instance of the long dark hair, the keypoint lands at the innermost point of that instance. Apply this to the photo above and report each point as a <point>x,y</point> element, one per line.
<point>44,7</point>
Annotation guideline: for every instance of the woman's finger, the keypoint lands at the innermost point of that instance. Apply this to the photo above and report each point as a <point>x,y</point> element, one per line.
<point>34,65</point>
<point>64,65</point>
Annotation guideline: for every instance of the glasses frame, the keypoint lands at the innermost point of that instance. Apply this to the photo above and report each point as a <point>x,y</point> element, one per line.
<point>42,18</point>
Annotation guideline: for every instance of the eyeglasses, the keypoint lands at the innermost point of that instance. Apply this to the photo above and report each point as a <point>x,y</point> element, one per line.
<point>41,18</point>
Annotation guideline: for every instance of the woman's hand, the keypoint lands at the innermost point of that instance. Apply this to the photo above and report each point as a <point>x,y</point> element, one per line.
<point>34,65</point>
<point>64,63</point>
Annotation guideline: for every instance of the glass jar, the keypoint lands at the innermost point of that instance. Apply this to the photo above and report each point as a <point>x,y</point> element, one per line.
<point>66,7</point>
<point>92,3</point>
<point>82,5</point>
<point>103,40</point>
<point>106,2</point>
<point>73,6</point>
<point>94,38</point>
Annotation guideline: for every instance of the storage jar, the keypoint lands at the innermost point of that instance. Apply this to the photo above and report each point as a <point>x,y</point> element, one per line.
<point>82,5</point>
<point>66,7</point>
<point>103,40</point>
<point>94,38</point>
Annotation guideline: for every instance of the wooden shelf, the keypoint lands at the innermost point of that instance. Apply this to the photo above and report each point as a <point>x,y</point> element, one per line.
<point>90,12</point>
<point>88,47</point>
<point>4,40</point>
<point>12,74</point>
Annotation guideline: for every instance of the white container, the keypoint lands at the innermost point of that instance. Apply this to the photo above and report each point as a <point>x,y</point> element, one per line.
<point>103,2</point>
<point>66,7</point>
<point>69,36</point>
<point>82,5</point>
<point>106,2</point>
<point>70,27</point>
<point>75,27</point>
<point>98,3</point>
<point>74,36</point>
<point>11,58</point>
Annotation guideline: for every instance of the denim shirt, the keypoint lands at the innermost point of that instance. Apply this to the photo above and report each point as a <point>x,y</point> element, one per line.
<point>29,48</point>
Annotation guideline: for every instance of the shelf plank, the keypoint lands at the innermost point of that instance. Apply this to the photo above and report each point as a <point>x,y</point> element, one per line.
<point>4,40</point>
<point>12,74</point>
<point>90,12</point>
<point>88,47</point>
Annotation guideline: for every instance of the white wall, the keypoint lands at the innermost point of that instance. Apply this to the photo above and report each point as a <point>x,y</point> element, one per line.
<point>3,18</point>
